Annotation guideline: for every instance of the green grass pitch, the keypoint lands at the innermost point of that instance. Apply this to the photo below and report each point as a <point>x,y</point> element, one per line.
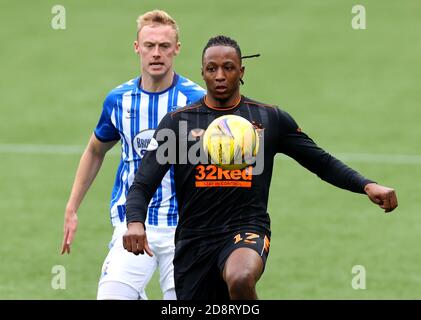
<point>356,92</point>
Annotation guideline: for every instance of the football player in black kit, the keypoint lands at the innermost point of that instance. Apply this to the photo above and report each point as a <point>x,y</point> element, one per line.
<point>223,235</point>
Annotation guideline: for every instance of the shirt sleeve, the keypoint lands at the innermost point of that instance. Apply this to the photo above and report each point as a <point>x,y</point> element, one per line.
<point>297,145</point>
<point>149,175</point>
<point>105,130</point>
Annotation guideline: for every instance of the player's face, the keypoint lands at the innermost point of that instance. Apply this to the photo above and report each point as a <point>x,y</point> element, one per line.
<point>157,46</point>
<point>222,71</point>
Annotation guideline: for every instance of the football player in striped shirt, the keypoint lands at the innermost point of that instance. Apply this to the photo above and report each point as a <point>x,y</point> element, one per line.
<point>130,114</point>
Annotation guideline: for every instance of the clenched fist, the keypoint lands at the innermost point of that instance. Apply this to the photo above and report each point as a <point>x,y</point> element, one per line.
<point>383,196</point>
<point>135,240</point>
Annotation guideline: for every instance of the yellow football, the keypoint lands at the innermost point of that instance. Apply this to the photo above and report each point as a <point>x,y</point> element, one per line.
<point>231,142</point>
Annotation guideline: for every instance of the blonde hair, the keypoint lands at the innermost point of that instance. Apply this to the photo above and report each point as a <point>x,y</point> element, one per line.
<point>157,17</point>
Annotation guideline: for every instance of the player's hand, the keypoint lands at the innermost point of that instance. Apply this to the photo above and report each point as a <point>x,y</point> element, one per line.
<point>135,240</point>
<point>70,227</point>
<point>383,196</point>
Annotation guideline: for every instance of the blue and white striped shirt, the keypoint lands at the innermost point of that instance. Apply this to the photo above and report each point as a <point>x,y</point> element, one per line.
<point>130,115</point>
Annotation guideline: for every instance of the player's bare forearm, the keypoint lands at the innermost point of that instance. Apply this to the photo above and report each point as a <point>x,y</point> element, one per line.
<point>383,196</point>
<point>88,168</point>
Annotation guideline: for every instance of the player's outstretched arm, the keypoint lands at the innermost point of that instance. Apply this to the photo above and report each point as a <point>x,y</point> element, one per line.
<point>135,240</point>
<point>383,196</point>
<point>88,168</point>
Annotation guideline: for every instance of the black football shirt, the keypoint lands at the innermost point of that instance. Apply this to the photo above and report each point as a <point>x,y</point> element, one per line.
<point>214,200</point>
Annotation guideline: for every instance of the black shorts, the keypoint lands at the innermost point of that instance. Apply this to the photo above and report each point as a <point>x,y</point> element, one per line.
<point>199,262</point>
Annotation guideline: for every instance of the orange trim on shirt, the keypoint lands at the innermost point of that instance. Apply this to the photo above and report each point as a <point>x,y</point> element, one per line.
<point>221,109</point>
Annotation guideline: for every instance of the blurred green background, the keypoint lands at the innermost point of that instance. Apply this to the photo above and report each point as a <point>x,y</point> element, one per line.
<point>355,92</point>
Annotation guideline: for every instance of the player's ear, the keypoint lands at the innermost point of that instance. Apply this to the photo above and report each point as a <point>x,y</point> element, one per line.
<point>241,75</point>
<point>136,47</point>
<point>201,72</point>
<point>177,48</point>
<point>242,69</point>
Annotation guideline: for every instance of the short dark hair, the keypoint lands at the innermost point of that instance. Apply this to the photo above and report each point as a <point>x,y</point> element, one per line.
<point>222,41</point>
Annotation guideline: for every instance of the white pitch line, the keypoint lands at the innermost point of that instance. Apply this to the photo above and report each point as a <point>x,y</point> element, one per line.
<point>43,149</point>
<point>40,149</point>
<point>379,158</point>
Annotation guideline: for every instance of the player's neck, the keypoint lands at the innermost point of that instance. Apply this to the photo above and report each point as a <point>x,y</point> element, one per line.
<point>229,103</point>
<point>157,84</point>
